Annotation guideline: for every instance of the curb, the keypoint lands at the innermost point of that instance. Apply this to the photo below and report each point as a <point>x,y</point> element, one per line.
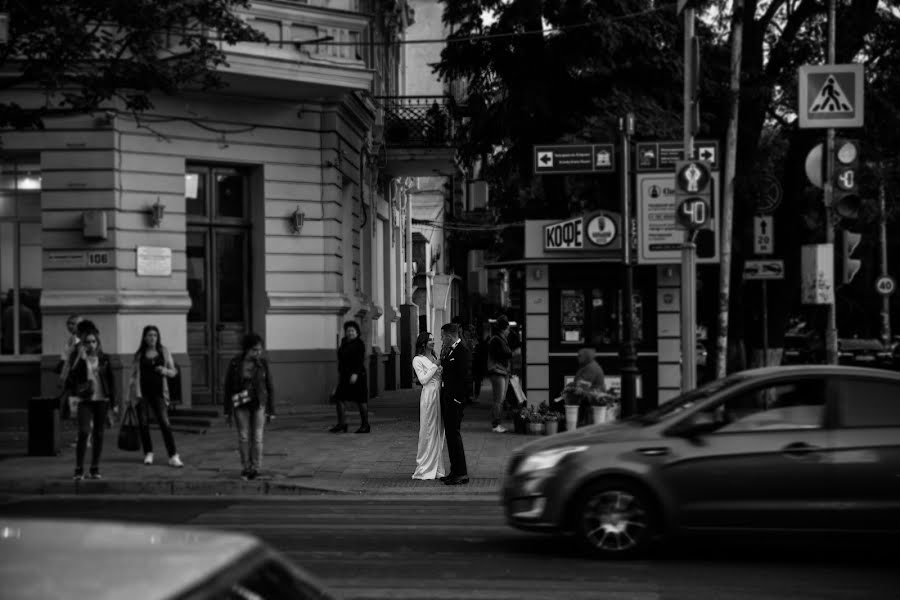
<point>353,487</point>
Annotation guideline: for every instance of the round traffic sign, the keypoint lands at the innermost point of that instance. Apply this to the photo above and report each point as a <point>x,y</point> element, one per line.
<point>814,165</point>
<point>769,195</point>
<point>886,285</point>
<point>692,213</point>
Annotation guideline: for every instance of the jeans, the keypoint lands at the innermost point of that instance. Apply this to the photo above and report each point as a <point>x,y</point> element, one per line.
<point>499,385</point>
<point>161,414</point>
<point>90,413</point>
<point>250,436</point>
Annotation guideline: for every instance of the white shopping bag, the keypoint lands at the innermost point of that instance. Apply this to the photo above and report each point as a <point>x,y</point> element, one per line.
<point>516,386</point>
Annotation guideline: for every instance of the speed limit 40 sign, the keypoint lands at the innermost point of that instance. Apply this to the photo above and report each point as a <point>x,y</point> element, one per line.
<point>885,285</point>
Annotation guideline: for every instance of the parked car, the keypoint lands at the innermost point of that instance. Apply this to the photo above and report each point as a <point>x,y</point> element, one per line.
<point>864,353</point>
<point>813,447</point>
<point>41,559</point>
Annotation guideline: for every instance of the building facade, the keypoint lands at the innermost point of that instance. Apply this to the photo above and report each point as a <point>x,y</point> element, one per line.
<point>266,206</point>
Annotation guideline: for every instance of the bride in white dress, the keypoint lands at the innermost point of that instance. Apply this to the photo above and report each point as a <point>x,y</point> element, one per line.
<point>430,455</point>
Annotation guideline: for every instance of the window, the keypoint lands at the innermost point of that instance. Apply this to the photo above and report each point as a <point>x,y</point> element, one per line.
<point>20,257</point>
<point>869,403</point>
<point>777,406</point>
<point>594,317</point>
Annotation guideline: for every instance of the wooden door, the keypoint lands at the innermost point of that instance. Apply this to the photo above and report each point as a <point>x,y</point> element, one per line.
<point>218,278</point>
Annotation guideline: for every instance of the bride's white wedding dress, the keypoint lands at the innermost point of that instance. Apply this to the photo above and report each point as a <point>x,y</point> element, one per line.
<point>430,455</point>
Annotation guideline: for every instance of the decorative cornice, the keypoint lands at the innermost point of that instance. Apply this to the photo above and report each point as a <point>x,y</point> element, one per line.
<point>55,302</point>
<point>308,303</point>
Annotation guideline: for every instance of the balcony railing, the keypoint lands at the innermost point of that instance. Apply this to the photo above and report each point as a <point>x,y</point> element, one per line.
<point>417,121</point>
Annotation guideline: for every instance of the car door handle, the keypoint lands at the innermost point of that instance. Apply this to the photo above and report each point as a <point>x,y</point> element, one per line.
<point>799,449</point>
<point>660,451</point>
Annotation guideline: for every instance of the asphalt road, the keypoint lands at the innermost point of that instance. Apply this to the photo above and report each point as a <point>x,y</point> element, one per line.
<point>432,548</point>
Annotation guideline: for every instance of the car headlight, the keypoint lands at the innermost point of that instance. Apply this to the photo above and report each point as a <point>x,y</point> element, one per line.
<point>547,459</point>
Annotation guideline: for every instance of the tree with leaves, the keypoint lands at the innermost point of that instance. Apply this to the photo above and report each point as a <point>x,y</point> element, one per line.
<point>78,55</point>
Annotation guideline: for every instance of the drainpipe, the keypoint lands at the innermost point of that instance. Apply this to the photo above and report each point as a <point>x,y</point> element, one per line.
<point>409,261</point>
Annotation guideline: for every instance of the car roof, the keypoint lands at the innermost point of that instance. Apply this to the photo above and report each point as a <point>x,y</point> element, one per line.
<point>822,370</point>
<point>109,560</point>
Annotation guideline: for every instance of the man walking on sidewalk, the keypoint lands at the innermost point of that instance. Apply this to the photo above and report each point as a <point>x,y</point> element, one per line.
<point>456,385</point>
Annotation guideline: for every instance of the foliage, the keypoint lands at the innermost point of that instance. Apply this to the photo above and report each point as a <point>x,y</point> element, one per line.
<point>580,391</point>
<point>80,54</point>
<point>570,85</point>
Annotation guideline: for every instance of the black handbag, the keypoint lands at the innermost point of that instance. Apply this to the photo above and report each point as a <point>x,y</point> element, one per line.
<point>129,433</point>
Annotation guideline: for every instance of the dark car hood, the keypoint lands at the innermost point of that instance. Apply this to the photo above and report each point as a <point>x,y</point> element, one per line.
<point>592,434</point>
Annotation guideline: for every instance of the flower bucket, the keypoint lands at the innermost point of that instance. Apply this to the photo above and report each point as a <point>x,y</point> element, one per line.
<point>600,414</point>
<point>551,427</point>
<point>536,428</point>
<point>571,417</point>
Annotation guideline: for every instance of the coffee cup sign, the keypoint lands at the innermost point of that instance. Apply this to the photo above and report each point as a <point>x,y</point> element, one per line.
<point>601,230</point>
<point>565,235</point>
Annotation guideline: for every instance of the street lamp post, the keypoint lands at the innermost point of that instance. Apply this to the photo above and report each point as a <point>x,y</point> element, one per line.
<point>628,349</point>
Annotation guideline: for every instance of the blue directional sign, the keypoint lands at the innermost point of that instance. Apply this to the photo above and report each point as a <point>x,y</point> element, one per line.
<point>574,158</point>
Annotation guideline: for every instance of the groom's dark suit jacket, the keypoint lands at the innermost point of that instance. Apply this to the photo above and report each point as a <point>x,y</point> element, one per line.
<point>457,374</point>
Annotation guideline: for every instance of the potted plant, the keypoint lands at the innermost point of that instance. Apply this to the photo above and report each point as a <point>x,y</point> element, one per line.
<point>535,422</point>
<point>551,423</point>
<point>599,402</point>
<point>573,395</point>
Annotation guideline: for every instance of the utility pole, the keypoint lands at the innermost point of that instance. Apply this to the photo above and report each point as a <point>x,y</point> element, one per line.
<point>628,351</point>
<point>883,242</point>
<point>831,341</point>
<point>689,248</point>
<point>734,90</point>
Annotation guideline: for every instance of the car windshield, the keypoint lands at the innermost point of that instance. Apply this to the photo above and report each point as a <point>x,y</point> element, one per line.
<point>687,400</point>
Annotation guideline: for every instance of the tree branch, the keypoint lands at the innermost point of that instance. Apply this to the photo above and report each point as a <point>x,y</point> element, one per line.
<point>770,13</point>
<point>781,52</point>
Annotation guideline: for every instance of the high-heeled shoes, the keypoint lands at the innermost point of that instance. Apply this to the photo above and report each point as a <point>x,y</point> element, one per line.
<point>364,429</point>
<point>339,428</point>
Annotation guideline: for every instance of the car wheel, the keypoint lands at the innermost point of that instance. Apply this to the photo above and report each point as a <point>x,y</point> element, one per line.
<point>615,519</point>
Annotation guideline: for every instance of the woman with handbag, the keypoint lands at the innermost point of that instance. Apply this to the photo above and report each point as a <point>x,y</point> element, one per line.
<point>152,368</point>
<point>91,379</point>
<point>250,399</point>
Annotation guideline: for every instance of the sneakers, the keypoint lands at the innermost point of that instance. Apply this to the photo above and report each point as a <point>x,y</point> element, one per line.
<point>175,461</point>
<point>79,474</point>
<point>248,474</point>
<point>499,429</point>
<point>148,458</point>
<point>94,474</point>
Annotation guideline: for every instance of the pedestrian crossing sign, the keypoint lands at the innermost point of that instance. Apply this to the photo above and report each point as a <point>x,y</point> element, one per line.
<point>830,96</point>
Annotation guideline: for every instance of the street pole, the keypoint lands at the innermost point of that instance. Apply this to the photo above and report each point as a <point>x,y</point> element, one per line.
<point>883,242</point>
<point>689,248</point>
<point>831,341</point>
<point>628,350</point>
<point>765,323</point>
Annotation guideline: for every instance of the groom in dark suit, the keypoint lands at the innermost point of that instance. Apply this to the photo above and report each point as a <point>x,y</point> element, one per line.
<point>456,385</point>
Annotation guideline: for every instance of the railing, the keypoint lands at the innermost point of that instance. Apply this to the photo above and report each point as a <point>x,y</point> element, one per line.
<point>416,121</point>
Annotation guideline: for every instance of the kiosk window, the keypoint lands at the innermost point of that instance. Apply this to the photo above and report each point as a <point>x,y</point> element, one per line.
<point>593,316</point>
<point>572,316</point>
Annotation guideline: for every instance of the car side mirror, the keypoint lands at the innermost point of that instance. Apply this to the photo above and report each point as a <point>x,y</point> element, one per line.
<point>696,426</point>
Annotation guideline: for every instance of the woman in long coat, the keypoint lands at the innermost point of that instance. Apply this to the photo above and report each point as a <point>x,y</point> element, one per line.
<point>352,384</point>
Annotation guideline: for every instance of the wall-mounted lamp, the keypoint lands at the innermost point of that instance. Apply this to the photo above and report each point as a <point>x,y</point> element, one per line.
<point>157,211</point>
<point>296,220</point>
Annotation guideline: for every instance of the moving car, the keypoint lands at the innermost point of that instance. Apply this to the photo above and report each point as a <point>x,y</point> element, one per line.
<point>864,352</point>
<point>810,447</point>
<point>44,559</point>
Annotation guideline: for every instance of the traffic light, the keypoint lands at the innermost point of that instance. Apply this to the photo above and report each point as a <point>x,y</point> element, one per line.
<point>845,199</point>
<point>693,194</point>
<point>849,266</point>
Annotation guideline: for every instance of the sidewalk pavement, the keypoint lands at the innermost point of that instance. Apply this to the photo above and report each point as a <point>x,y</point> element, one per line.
<point>300,456</point>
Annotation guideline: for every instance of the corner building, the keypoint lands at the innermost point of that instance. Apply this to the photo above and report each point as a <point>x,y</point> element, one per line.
<point>258,207</point>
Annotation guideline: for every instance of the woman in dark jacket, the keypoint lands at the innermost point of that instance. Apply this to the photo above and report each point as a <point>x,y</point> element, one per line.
<point>91,379</point>
<point>352,384</point>
<point>250,398</point>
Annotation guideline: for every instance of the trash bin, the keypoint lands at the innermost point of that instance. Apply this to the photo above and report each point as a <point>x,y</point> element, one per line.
<point>43,426</point>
